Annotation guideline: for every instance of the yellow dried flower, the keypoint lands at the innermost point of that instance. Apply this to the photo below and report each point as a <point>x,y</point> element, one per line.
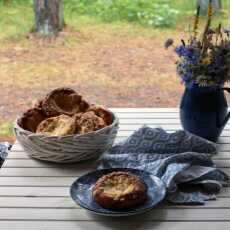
<point>210,9</point>
<point>196,22</point>
<point>204,39</point>
<point>206,61</point>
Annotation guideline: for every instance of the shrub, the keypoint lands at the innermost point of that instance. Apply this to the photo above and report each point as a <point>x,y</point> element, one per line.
<point>146,12</point>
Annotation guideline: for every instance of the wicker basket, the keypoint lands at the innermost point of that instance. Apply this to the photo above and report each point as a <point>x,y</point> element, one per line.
<point>67,149</point>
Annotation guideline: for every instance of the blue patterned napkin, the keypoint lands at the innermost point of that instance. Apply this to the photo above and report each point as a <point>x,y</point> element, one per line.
<point>4,149</point>
<point>182,161</point>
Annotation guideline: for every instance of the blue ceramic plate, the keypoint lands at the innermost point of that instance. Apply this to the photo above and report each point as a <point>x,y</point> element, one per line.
<point>81,192</point>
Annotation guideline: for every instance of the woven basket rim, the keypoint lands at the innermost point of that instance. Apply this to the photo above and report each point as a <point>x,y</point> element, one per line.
<point>29,133</point>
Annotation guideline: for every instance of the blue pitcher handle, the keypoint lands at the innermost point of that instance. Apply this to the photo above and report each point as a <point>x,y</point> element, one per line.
<point>228,115</point>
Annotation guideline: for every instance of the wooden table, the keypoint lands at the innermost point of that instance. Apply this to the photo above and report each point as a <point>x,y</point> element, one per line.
<point>35,195</point>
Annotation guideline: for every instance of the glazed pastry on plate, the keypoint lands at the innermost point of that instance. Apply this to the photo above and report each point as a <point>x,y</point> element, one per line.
<point>119,190</point>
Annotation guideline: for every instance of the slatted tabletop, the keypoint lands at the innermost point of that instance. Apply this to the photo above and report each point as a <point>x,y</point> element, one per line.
<point>35,195</point>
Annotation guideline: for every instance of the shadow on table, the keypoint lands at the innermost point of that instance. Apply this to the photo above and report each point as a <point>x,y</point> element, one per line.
<point>144,221</point>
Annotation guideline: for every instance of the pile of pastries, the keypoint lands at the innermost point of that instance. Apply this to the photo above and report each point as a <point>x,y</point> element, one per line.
<point>119,190</point>
<point>64,112</point>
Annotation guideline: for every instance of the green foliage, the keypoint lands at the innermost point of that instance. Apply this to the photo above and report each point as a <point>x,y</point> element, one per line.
<point>15,2</point>
<point>16,18</point>
<point>6,129</point>
<point>146,12</point>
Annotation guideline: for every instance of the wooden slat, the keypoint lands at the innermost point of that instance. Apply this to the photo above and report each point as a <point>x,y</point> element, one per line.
<point>222,163</point>
<point>34,191</point>
<point>52,172</point>
<point>57,191</point>
<point>145,110</point>
<point>37,202</point>
<point>152,121</point>
<point>225,147</point>
<point>32,163</point>
<point>170,127</point>
<point>67,202</point>
<point>225,137</point>
<point>51,182</point>
<point>36,181</point>
<point>82,215</point>
<point>44,172</point>
<point>115,224</point>
<point>148,115</point>
<point>19,153</point>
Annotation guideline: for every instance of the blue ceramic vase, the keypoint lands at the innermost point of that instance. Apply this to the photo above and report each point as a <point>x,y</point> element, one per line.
<point>204,111</point>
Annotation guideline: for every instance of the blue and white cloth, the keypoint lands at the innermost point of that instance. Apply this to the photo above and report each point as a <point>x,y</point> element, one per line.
<point>181,160</point>
<point>4,150</point>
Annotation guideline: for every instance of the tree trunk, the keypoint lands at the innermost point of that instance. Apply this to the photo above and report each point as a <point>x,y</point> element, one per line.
<point>48,16</point>
<point>6,2</point>
<point>217,5</point>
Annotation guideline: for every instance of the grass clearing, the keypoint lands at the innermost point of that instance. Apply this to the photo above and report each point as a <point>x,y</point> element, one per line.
<point>15,20</point>
<point>6,129</point>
